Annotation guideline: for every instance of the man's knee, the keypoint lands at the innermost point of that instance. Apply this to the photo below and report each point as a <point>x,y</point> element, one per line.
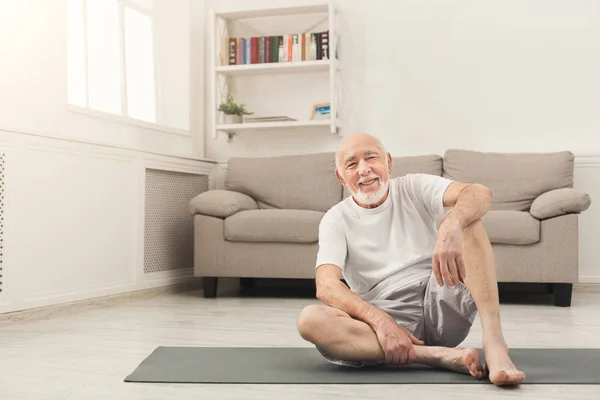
<point>312,319</point>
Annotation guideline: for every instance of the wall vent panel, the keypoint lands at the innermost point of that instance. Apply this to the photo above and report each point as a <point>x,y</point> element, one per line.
<point>169,229</point>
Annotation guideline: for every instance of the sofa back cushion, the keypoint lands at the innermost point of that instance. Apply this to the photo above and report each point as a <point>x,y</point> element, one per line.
<point>299,182</point>
<point>426,164</point>
<point>515,179</point>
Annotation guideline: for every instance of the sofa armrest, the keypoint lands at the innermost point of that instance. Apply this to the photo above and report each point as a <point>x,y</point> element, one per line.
<point>559,202</point>
<point>221,203</point>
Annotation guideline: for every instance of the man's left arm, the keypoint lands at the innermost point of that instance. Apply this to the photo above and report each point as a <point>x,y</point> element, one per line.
<point>469,202</point>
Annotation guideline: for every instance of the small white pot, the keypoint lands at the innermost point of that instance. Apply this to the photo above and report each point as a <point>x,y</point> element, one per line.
<point>232,119</point>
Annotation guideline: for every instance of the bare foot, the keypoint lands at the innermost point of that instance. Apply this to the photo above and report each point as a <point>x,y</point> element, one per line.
<point>501,369</point>
<point>463,360</point>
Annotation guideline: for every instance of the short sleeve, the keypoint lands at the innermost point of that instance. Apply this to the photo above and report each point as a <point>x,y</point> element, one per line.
<point>430,190</point>
<point>332,242</point>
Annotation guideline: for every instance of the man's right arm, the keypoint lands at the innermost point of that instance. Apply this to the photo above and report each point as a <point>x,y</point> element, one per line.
<point>333,292</point>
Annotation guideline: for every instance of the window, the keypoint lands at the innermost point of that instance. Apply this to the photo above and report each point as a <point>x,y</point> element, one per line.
<point>114,63</point>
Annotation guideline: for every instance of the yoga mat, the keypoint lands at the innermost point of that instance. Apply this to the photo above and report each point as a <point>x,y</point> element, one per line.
<point>285,365</point>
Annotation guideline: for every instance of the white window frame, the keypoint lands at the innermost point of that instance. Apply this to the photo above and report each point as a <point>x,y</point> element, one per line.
<point>123,117</point>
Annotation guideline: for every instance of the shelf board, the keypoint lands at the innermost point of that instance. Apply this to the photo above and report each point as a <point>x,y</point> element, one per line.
<point>275,125</point>
<point>277,68</point>
<point>273,12</point>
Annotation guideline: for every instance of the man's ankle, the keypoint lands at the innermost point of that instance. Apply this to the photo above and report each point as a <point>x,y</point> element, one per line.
<point>494,340</point>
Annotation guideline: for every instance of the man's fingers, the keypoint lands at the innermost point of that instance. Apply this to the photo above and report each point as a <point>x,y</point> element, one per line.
<point>436,271</point>
<point>414,339</point>
<point>389,357</point>
<point>445,272</point>
<point>462,269</point>
<point>453,271</point>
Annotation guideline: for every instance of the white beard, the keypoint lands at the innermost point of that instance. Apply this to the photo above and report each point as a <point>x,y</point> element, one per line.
<point>374,197</point>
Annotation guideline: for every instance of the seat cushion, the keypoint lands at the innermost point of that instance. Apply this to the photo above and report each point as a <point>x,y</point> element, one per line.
<point>516,179</point>
<point>290,226</point>
<point>511,227</point>
<point>293,182</point>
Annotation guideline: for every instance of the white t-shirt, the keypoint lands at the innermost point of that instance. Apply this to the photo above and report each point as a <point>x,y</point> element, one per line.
<point>388,244</point>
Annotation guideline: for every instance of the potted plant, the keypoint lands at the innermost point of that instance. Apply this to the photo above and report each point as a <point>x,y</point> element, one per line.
<point>232,110</point>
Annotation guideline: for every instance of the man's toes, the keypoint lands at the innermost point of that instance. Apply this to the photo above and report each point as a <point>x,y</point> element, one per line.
<point>507,378</point>
<point>517,376</point>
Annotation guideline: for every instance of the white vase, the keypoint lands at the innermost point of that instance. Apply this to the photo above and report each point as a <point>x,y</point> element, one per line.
<point>232,119</point>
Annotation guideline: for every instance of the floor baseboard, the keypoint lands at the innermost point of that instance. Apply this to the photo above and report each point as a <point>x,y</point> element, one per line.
<point>70,308</point>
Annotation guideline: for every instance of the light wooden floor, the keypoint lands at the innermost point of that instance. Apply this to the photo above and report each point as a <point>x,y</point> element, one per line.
<point>87,355</point>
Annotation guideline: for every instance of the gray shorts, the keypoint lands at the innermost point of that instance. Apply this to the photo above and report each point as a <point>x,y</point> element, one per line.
<point>439,316</point>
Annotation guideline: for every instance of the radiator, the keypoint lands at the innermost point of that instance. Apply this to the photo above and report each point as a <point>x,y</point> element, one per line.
<point>169,230</point>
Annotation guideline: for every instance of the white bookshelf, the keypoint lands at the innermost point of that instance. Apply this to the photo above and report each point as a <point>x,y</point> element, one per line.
<point>221,73</point>
<point>293,67</point>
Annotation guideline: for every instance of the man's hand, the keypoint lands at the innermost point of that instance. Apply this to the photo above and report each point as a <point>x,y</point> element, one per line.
<point>448,263</point>
<point>396,342</point>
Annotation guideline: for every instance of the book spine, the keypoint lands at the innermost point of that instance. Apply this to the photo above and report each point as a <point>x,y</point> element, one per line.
<point>224,51</point>
<point>247,51</point>
<point>253,50</point>
<point>325,45</point>
<point>273,49</point>
<point>262,49</point>
<point>268,49</point>
<point>319,48</point>
<point>313,46</point>
<point>232,51</point>
<point>280,49</point>
<point>290,46</point>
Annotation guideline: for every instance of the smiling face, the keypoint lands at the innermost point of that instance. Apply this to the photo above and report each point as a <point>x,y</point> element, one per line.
<point>364,168</point>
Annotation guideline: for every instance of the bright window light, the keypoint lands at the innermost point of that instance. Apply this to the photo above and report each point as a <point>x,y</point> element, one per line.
<point>104,65</point>
<point>139,61</point>
<point>113,63</point>
<point>77,91</point>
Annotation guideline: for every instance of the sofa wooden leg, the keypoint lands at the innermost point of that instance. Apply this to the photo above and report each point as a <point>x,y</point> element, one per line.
<point>247,284</point>
<point>209,284</point>
<point>562,294</point>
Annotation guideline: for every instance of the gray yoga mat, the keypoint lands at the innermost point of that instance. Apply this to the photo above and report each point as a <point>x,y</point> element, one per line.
<point>277,365</point>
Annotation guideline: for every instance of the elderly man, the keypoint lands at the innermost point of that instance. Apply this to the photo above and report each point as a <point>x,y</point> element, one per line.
<point>416,276</point>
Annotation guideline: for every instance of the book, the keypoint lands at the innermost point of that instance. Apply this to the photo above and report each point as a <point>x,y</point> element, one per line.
<point>291,47</point>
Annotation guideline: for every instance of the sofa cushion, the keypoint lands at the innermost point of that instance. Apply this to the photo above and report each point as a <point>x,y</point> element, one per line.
<point>560,202</point>
<point>515,179</point>
<point>291,226</point>
<point>297,182</point>
<point>221,203</point>
<point>426,164</point>
<point>511,227</point>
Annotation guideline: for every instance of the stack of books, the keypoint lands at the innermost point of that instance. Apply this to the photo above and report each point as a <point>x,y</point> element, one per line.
<point>268,119</point>
<point>274,49</point>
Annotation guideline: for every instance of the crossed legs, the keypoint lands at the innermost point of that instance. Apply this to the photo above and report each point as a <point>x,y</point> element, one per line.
<point>345,338</point>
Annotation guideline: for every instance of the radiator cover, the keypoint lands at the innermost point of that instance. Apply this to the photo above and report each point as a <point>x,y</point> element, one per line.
<point>169,230</point>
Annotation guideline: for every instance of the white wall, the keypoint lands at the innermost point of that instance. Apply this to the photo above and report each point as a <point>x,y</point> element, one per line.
<point>425,76</point>
<point>74,220</point>
<point>34,83</point>
<point>73,184</point>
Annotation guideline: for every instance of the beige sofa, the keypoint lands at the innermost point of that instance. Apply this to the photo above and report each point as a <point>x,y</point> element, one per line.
<point>263,222</point>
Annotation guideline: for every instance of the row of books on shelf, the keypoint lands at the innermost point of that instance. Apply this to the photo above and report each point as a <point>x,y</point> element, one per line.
<point>275,49</point>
